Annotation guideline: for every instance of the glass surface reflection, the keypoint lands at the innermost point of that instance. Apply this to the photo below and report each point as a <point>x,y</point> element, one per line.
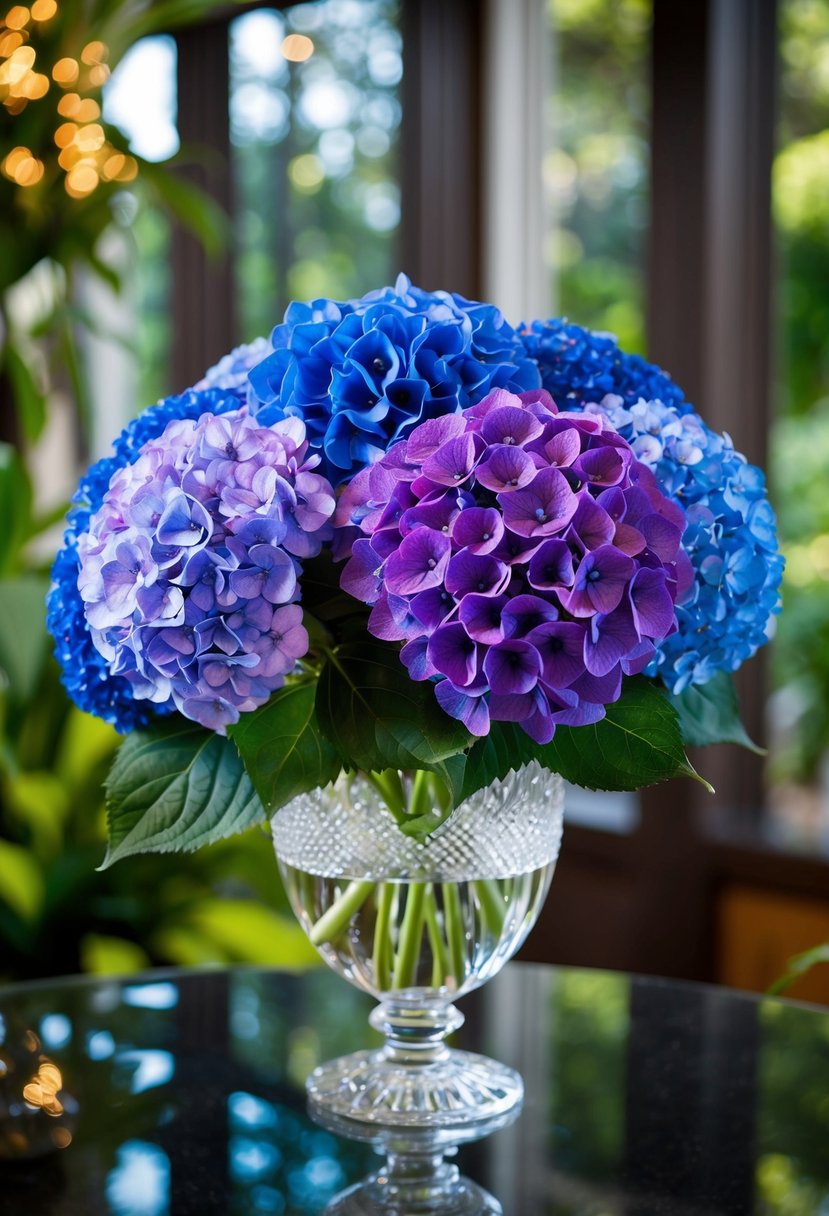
<point>641,1096</point>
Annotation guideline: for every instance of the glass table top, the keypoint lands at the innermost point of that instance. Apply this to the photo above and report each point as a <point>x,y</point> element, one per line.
<point>181,1094</point>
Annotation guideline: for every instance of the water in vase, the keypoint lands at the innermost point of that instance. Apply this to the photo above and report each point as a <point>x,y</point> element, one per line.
<point>398,935</point>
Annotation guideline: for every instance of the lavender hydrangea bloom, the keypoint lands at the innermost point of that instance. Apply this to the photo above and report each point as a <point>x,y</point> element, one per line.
<point>84,672</point>
<point>363,373</point>
<point>729,536</point>
<point>188,569</point>
<point>231,372</point>
<point>524,556</point>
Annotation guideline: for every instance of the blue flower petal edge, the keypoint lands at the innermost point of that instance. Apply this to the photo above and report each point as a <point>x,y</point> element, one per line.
<point>363,373</point>
<point>731,534</point>
<point>84,672</point>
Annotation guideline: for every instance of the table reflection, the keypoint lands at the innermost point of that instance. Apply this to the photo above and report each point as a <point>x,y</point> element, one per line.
<point>183,1094</point>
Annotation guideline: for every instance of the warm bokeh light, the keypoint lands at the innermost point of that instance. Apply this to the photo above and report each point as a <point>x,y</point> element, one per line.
<point>94,52</point>
<point>44,10</point>
<point>99,75</point>
<point>65,72</point>
<point>81,109</point>
<point>17,18</point>
<point>9,43</point>
<point>65,133</point>
<point>13,159</point>
<point>34,86</point>
<point>81,180</point>
<point>112,166</point>
<point>90,138</point>
<point>297,48</point>
<point>42,1090</point>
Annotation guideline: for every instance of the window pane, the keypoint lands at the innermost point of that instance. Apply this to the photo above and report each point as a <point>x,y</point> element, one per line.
<point>800,441</point>
<point>140,98</point>
<point>596,171</point>
<point>315,116</point>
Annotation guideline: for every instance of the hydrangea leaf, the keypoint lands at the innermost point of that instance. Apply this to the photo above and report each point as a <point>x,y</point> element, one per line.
<point>175,787</point>
<point>284,751</point>
<point>710,713</point>
<point>637,743</point>
<point>377,717</point>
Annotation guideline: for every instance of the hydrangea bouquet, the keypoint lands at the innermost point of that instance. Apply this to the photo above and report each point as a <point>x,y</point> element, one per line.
<point>404,536</point>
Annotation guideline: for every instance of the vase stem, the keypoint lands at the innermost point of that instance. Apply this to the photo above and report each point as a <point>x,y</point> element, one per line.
<point>415,1030</point>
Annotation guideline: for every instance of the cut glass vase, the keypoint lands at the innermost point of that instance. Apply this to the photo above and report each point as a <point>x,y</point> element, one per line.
<point>417,925</point>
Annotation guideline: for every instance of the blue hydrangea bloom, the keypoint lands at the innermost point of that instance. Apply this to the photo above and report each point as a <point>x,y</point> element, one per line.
<point>578,365</point>
<point>363,373</point>
<point>730,538</point>
<point>84,672</point>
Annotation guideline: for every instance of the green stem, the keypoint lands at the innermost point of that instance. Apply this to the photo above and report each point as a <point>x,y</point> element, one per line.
<point>411,935</point>
<point>492,904</point>
<point>455,935</point>
<point>420,799</point>
<point>440,957</point>
<point>390,788</point>
<point>333,922</point>
<point>383,946</point>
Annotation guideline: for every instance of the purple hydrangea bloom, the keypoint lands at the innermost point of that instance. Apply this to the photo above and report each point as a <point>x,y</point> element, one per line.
<point>363,373</point>
<point>524,556</point>
<point>729,536</point>
<point>84,672</point>
<point>188,569</point>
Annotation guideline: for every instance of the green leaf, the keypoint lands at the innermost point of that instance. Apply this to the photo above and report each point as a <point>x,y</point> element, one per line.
<point>637,743</point>
<point>23,637</point>
<point>15,506</point>
<point>243,931</point>
<point>29,400</point>
<point>176,787</point>
<point>505,748</point>
<point>377,717</point>
<point>321,593</point>
<point>710,713</point>
<point>21,880</point>
<point>283,749</point>
<point>799,965</point>
<point>190,205</point>
<point>103,955</point>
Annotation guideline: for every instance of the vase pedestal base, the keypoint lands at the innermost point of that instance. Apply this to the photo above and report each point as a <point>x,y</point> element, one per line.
<point>462,1092</point>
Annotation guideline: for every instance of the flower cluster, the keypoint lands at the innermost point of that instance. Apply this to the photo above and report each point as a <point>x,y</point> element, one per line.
<point>188,569</point>
<point>578,365</point>
<point>730,537</point>
<point>525,557</point>
<point>84,671</point>
<point>361,374</point>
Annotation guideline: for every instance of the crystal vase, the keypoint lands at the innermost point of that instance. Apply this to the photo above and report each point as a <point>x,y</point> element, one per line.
<point>417,925</point>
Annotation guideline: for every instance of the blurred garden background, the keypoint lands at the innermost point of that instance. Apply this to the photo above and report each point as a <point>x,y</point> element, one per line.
<point>95,181</point>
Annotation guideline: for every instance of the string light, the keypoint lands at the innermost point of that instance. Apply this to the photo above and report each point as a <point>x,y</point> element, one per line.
<point>84,153</point>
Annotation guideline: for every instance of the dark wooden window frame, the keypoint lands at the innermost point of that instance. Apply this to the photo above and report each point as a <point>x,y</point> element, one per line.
<point>646,900</point>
